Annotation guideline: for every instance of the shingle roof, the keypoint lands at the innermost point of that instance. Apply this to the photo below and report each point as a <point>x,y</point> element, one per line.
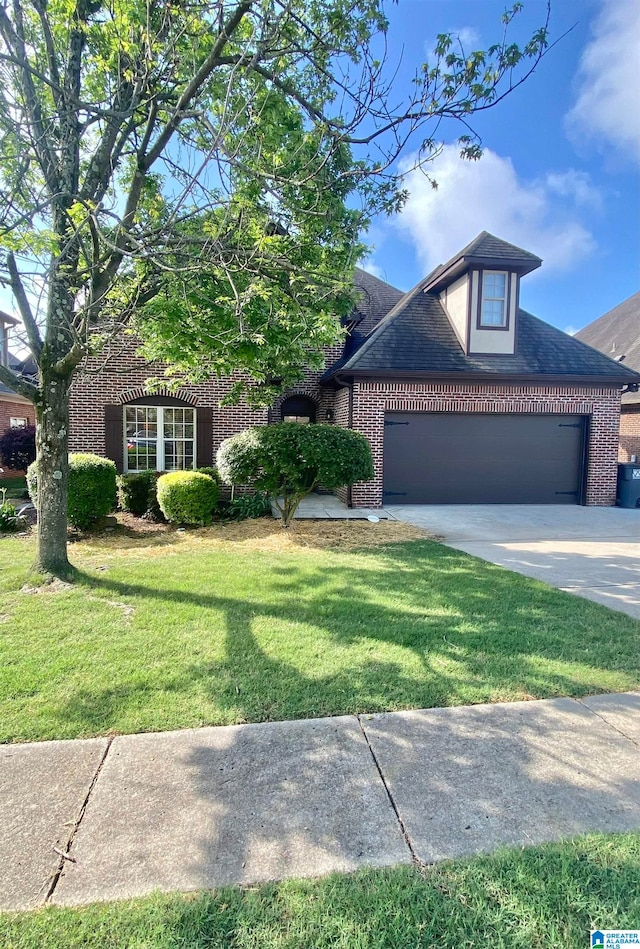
<point>376,300</point>
<point>487,245</point>
<point>617,334</point>
<point>416,336</point>
<point>24,367</point>
<point>485,248</point>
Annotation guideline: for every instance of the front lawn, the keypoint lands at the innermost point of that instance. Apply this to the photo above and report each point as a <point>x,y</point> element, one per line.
<point>249,623</point>
<point>541,897</point>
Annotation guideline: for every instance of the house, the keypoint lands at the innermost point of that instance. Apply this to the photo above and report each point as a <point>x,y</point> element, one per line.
<point>15,410</point>
<point>464,396</point>
<point>617,334</point>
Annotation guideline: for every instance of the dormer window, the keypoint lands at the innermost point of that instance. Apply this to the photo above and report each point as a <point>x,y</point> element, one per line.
<point>494,299</point>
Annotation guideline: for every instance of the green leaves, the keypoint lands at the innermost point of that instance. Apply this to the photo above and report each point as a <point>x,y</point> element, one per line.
<point>289,460</point>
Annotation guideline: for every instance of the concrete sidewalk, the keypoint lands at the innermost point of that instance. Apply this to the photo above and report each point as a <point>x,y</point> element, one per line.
<point>105,819</point>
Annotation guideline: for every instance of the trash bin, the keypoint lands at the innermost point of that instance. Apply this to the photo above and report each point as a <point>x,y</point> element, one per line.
<point>628,485</point>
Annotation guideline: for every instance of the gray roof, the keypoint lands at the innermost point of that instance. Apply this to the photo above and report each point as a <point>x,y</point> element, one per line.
<point>416,337</point>
<point>24,367</point>
<point>617,334</point>
<point>484,249</point>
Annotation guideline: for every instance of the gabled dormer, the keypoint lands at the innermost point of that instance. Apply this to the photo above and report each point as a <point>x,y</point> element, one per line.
<point>479,291</point>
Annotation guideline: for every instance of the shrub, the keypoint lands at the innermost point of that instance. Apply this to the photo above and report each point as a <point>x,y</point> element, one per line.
<point>136,492</point>
<point>187,497</point>
<point>18,447</point>
<point>249,505</point>
<point>91,492</point>
<point>290,460</point>
<point>211,473</point>
<point>10,520</point>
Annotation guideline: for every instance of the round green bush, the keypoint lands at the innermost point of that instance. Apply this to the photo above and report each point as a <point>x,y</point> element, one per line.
<point>137,492</point>
<point>91,492</point>
<point>187,497</point>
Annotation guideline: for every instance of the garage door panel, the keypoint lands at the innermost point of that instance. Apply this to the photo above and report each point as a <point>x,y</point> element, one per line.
<point>441,458</point>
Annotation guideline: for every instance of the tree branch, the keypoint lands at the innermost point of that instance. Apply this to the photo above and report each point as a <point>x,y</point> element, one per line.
<point>30,325</point>
<point>19,385</point>
<point>197,82</point>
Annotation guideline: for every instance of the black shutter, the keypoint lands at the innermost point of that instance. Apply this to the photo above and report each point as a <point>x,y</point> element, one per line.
<point>114,434</point>
<point>204,436</point>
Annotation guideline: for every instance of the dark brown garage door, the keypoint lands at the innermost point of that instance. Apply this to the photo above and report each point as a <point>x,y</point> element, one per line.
<point>437,458</point>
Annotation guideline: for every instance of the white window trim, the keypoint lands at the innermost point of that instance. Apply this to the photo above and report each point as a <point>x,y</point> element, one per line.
<point>18,421</point>
<point>159,441</point>
<point>504,300</point>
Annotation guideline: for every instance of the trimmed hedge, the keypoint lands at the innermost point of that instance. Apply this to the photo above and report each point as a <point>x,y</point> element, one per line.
<point>91,491</point>
<point>188,497</point>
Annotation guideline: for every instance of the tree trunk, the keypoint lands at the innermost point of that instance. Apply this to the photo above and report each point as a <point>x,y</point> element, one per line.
<point>52,446</point>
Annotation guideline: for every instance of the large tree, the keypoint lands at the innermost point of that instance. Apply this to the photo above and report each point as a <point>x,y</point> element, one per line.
<point>204,170</point>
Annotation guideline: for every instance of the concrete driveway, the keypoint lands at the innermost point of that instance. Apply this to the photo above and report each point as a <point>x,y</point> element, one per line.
<point>590,551</point>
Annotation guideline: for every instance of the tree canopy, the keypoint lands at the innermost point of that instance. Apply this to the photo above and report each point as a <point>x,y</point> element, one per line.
<point>203,171</point>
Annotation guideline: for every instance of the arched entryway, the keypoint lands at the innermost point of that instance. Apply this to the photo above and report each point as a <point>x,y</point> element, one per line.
<point>298,408</point>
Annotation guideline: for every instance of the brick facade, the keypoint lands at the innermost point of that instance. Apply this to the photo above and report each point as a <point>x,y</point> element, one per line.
<point>10,408</point>
<point>119,378</point>
<point>629,432</point>
<point>123,379</point>
<point>13,408</point>
<point>372,399</point>
<point>363,408</point>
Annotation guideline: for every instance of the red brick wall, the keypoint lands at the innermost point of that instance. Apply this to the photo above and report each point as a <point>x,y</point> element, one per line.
<point>123,379</point>
<point>629,432</point>
<point>10,409</point>
<point>309,386</point>
<point>372,399</point>
<point>341,410</point>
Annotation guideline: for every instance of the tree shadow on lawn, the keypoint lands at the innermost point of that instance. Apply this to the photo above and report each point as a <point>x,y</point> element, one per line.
<point>467,631</point>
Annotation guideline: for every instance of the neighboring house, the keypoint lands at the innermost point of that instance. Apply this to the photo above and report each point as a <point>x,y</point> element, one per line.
<point>464,397</point>
<point>15,410</point>
<point>617,335</point>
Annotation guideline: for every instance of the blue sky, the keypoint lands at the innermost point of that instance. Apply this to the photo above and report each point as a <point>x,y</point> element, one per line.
<point>559,176</point>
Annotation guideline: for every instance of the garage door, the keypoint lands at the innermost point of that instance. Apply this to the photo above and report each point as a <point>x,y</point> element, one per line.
<point>437,458</point>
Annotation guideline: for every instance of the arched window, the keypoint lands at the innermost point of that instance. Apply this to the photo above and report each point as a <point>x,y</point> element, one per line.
<point>159,434</point>
<point>298,408</point>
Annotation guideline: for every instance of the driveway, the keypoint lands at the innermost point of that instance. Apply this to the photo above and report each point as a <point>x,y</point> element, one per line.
<point>590,551</point>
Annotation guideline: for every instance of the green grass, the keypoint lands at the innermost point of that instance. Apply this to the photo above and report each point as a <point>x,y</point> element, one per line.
<point>545,897</point>
<point>188,630</point>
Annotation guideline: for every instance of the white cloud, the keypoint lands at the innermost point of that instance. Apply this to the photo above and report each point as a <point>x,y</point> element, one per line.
<point>571,330</point>
<point>607,107</point>
<point>371,267</point>
<point>468,36</point>
<point>539,215</point>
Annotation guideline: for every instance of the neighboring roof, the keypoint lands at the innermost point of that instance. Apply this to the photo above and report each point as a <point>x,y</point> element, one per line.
<point>8,319</point>
<point>485,249</point>
<point>417,337</point>
<point>617,334</point>
<point>24,367</point>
